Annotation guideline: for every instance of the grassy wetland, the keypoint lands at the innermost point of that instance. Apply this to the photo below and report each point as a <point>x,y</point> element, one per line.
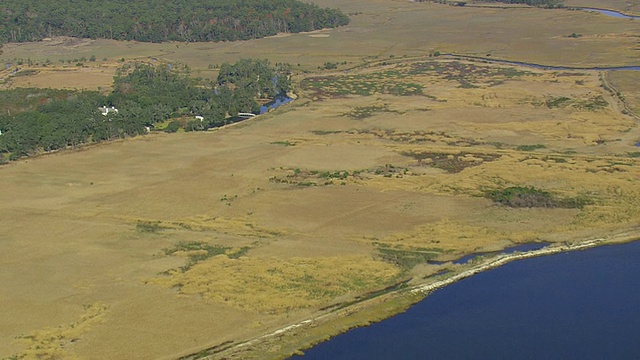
<point>319,213</point>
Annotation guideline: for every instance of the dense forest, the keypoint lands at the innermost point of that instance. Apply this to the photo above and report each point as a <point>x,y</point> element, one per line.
<point>36,120</point>
<point>161,20</point>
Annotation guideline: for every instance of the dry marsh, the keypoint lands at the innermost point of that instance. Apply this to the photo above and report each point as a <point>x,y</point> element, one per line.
<point>164,245</point>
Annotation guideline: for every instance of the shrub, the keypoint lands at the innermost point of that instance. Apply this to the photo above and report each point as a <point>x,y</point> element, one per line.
<point>530,147</point>
<point>529,197</point>
<point>172,127</point>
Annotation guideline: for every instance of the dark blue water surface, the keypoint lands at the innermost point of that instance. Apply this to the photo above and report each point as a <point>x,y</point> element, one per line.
<point>577,305</point>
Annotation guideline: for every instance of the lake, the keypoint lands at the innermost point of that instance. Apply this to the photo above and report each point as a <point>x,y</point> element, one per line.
<point>575,305</point>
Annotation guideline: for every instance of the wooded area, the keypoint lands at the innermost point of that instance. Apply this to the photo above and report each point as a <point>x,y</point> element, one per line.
<point>36,120</point>
<point>159,20</point>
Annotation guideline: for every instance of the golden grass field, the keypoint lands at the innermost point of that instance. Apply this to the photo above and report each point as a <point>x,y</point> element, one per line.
<point>165,245</point>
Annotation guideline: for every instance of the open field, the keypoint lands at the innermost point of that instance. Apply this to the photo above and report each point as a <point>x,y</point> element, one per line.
<point>164,245</point>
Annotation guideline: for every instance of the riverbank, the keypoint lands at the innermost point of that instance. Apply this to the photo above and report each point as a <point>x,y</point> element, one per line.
<point>312,331</point>
<point>540,66</point>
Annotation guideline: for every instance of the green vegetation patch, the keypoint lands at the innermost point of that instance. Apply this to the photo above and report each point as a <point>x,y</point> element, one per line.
<point>591,103</point>
<point>419,137</point>
<point>23,99</point>
<point>451,163</point>
<point>326,132</point>
<point>530,197</point>
<point>283,143</point>
<point>363,84</point>
<point>468,75</point>
<point>304,177</point>
<point>407,259</point>
<point>199,251</point>
<point>27,72</point>
<point>363,112</point>
<point>150,226</point>
<point>400,80</point>
<point>532,147</point>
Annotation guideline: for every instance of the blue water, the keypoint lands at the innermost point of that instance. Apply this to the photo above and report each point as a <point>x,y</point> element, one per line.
<point>281,100</point>
<point>577,305</point>
<point>611,13</point>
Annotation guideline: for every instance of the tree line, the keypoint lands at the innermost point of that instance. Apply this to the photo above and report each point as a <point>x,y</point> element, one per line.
<point>161,20</point>
<point>37,120</point>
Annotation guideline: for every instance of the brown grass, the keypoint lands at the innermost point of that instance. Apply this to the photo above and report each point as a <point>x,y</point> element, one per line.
<point>70,222</point>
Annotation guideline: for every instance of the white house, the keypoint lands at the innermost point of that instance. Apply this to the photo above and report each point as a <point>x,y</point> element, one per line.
<point>106,110</point>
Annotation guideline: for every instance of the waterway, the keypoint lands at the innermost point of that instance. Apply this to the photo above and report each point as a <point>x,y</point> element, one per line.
<point>280,100</point>
<point>611,13</point>
<point>578,305</point>
<point>542,66</point>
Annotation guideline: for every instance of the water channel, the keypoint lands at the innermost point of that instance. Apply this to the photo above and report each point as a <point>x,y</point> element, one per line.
<point>611,13</point>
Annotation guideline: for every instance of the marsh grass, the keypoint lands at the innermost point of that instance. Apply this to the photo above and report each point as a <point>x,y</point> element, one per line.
<point>197,252</point>
<point>150,226</point>
<point>57,343</point>
<point>519,196</point>
<point>532,147</point>
<point>363,112</point>
<point>405,258</point>
<point>450,162</point>
<point>258,284</point>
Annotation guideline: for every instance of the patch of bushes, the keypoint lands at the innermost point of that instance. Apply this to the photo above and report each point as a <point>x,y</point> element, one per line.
<point>199,251</point>
<point>326,132</point>
<point>26,72</point>
<point>172,127</point>
<point>283,143</point>
<point>530,197</point>
<point>363,112</point>
<point>406,259</point>
<point>149,226</point>
<point>530,147</point>
<point>559,101</point>
<point>451,163</point>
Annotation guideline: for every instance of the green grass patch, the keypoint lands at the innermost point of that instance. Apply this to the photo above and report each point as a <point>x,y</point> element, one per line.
<point>326,132</point>
<point>530,197</point>
<point>406,259</point>
<point>149,226</point>
<point>451,163</point>
<point>532,147</point>
<point>363,112</point>
<point>200,251</point>
<point>283,143</point>
<point>556,102</point>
